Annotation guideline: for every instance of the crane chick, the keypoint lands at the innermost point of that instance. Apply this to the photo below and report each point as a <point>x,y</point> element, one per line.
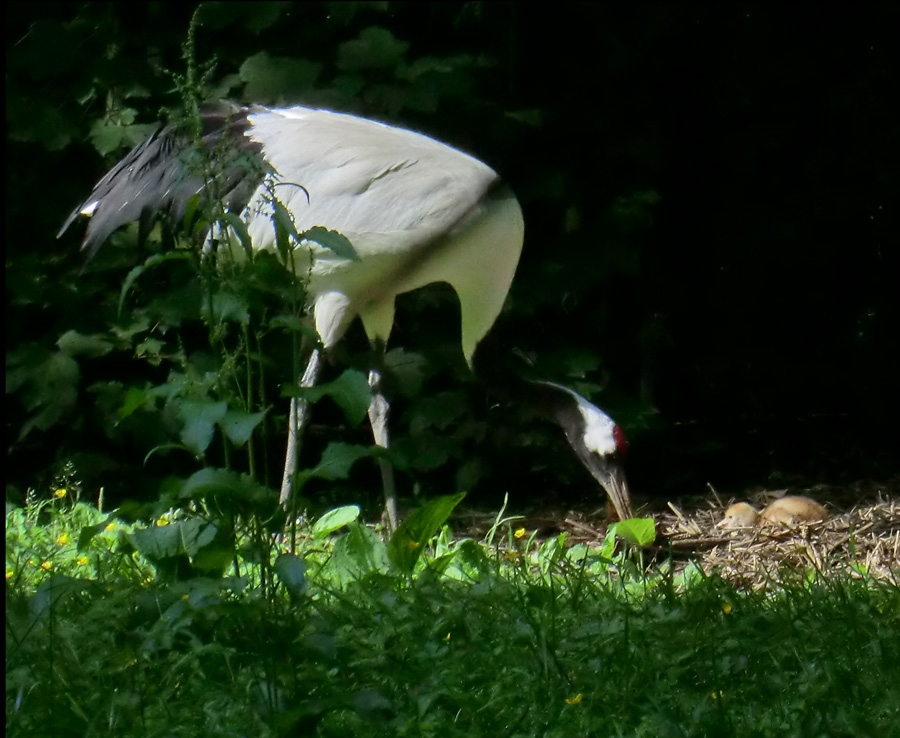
<point>787,511</point>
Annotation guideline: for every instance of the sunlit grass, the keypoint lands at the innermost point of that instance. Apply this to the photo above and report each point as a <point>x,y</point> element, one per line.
<point>517,638</point>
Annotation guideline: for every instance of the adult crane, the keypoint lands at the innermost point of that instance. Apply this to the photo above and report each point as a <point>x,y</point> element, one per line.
<point>415,210</point>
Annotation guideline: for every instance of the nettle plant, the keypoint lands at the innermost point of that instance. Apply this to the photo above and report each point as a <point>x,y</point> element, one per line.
<point>217,329</point>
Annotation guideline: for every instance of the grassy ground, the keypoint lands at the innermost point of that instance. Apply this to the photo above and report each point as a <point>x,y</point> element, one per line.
<point>472,640</point>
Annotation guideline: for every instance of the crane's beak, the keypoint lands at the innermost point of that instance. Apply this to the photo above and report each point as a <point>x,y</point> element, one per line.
<point>611,475</point>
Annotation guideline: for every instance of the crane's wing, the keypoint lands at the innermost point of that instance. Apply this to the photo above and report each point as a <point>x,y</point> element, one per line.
<point>159,175</point>
<point>416,211</point>
<point>384,188</point>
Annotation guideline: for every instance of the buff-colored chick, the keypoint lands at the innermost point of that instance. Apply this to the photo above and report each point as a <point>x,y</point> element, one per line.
<point>793,510</point>
<point>739,515</point>
<point>785,511</point>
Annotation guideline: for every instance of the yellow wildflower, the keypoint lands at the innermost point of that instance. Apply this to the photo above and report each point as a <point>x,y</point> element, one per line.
<point>576,700</point>
<point>60,493</point>
<point>63,539</point>
<point>520,533</point>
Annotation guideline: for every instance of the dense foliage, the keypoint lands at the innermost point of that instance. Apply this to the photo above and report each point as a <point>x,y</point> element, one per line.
<point>352,637</point>
<point>708,191</point>
<point>711,255</point>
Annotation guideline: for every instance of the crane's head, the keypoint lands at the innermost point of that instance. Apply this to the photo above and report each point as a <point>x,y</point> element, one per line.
<point>599,443</point>
<point>596,439</point>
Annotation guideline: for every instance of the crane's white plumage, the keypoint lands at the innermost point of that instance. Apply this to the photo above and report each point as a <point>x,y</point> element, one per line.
<point>415,210</point>
<point>598,429</point>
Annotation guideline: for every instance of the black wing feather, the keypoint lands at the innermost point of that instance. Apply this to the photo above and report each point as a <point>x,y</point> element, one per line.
<point>155,179</point>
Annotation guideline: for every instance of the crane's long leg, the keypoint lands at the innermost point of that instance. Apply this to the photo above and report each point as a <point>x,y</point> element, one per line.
<point>379,410</point>
<point>296,424</point>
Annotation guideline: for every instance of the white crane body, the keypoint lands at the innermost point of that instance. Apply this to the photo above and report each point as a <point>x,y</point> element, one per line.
<point>415,210</point>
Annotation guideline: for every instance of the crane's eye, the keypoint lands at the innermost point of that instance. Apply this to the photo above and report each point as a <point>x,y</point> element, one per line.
<point>621,443</point>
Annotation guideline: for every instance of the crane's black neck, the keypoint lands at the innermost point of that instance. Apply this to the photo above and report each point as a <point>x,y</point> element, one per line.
<point>495,366</point>
<point>597,441</point>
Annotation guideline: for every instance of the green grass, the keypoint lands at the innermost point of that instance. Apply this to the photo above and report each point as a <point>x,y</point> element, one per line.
<point>470,641</point>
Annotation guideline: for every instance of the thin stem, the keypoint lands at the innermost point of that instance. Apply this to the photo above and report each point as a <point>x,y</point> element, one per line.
<point>251,457</point>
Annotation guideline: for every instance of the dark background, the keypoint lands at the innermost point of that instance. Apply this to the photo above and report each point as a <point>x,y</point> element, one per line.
<point>710,193</point>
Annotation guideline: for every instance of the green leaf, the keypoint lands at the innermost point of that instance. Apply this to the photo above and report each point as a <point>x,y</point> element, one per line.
<point>371,702</point>
<point>337,459</point>
<point>331,240</point>
<point>253,17</point>
<point>228,306</point>
<point>422,450</point>
<point>234,222</point>
<point>53,590</point>
<point>291,570</point>
<point>334,520</point>
<point>470,563</point>
<point>150,349</point>
<point>215,557</point>
<point>270,79</point>
<point>440,564</point>
<point>149,263</point>
<point>190,211</point>
<point>442,410</point>
<point>407,369</point>
<point>88,532</point>
<point>210,481</point>
<point>195,534</point>
<point>691,575</point>
<point>551,551</point>
<point>200,418</point>
<point>285,230</point>
<point>375,48</point>
<point>608,547</point>
<point>296,324</point>
<point>109,135</point>
<point>169,541</point>
<point>135,398</point>
<point>74,343</point>
<point>638,531</point>
<point>238,425</point>
<point>158,542</point>
<point>48,387</point>
<point>414,533</point>
<point>128,332</point>
<point>350,392</point>
<point>356,554</point>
